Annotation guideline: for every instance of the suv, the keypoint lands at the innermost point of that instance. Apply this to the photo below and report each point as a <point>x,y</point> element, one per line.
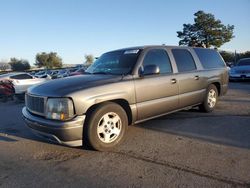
<point>124,87</point>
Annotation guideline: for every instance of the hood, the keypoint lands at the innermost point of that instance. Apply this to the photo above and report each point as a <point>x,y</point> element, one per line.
<point>66,86</point>
<point>241,68</point>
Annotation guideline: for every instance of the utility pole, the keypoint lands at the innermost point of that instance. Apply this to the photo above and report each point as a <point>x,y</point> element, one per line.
<point>235,57</point>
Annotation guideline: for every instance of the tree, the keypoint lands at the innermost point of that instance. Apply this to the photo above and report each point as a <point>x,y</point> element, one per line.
<point>48,60</point>
<point>227,56</point>
<point>19,64</point>
<point>89,59</point>
<point>245,54</point>
<point>4,66</point>
<point>205,32</point>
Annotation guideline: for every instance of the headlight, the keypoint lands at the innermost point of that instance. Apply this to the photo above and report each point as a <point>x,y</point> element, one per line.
<point>59,108</point>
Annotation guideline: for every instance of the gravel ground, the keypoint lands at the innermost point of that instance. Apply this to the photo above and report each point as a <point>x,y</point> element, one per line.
<point>184,149</point>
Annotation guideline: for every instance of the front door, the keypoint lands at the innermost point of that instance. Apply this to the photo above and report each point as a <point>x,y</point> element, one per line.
<point>156,94</point>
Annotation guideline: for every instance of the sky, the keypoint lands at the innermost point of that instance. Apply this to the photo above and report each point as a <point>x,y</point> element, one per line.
<point>73,28</point>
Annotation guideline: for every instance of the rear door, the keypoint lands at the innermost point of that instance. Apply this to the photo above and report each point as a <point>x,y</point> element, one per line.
<point>190,78</point>
<point>156,94</point>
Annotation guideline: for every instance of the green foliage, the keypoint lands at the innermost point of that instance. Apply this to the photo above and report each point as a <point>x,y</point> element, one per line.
<point>48,60</point>
<point>19,64</point>
<point>89,59</point>
<point>4,66</point>
<point>205,32</point>
<point>245,55</point>
<point>232,57</point>
<point>227,56</point>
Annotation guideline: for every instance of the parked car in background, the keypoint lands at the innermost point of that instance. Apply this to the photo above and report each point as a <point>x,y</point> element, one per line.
<point>78,72</point>
<point>7,90</point>
<point>241,71</point>
<point>124,87</point>
<point>40,74</point>
<point>62,73</point>
<point>32,73</point>
<point>44,74</point>
<point>51,73</point>
<point>22,81</point>
<point>73,69</point>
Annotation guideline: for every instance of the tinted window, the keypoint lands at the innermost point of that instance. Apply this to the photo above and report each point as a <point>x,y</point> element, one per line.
<point>21,77</point>
<point>160,58</point>
<point>184,60</point>
<point>244,62</point>
<point>209,58</point>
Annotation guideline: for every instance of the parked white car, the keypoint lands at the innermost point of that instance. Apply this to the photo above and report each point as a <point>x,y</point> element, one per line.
<point>22,81</point>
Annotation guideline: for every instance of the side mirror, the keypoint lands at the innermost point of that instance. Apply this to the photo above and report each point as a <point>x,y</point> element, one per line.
<point>150,70</point>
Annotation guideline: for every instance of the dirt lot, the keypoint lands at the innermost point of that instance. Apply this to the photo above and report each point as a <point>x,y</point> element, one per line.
<point>185,149</point>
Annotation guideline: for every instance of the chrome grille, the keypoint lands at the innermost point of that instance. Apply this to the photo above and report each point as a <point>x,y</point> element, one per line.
<point>35,104</point>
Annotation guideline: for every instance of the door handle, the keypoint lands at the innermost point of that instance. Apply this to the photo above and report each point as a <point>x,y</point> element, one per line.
<point>173,81</point>
<point>196,77</point>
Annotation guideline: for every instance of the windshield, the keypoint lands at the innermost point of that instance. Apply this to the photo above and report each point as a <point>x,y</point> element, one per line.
<point>244,62</point>
<point>119,62</point>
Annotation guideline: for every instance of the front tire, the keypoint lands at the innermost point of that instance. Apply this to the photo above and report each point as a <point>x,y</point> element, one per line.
<point>105,127</point>
<point>210,100</point>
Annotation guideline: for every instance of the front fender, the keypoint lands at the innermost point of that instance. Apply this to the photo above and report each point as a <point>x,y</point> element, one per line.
<point>86,98</point>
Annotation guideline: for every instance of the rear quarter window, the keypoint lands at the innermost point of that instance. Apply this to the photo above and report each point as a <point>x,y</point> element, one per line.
<point>209,58</point>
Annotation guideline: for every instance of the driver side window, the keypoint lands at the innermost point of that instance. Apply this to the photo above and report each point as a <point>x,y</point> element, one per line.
<point>158,57</point>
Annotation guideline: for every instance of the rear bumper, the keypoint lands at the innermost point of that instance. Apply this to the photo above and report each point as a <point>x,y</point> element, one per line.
<point>20,89</point>
<point>68,133</point>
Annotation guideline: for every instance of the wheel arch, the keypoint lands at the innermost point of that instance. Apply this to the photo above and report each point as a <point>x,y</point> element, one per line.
<point>218,87</point>
<point>122,102</point>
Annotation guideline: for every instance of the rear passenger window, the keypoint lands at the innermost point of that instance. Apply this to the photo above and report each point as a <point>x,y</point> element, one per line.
<point>209,58</point>
<point>184,60</point>
<point>160,58</point>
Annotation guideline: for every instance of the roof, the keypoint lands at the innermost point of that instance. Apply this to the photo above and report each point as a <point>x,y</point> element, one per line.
<point>157,46</point>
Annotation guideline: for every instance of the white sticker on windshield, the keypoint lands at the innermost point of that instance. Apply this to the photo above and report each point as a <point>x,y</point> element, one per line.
<point>131,51</point>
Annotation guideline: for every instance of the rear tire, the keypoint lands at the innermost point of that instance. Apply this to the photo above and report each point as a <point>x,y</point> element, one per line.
<point>105,127</point>
<point>210,100</point>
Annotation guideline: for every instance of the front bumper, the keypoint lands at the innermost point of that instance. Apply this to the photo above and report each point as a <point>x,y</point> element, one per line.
<point>68,133</point>
<point>239,76</point>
